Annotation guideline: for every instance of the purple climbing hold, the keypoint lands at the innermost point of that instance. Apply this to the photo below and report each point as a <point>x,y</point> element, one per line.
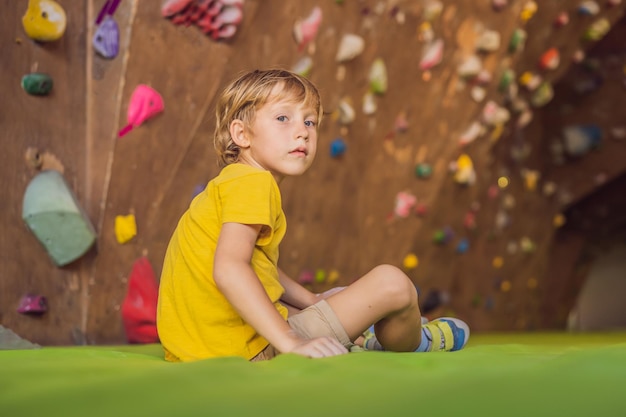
<point>106,39</point>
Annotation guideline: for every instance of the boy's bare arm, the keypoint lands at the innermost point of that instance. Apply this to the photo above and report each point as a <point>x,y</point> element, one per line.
<point>295,294</point>
<point>236,279</point>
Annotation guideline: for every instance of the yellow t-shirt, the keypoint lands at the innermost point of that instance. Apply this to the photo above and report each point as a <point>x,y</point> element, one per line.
<point>194,319</point>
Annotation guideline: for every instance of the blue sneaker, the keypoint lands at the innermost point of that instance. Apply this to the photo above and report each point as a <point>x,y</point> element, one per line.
<point>454,334</point>
<point>369,340</point>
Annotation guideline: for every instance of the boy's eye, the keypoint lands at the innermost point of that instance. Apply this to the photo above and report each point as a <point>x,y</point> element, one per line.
<point>282,118</point>
<point>309,123</point>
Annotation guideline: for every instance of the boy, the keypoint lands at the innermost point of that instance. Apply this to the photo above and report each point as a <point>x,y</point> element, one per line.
<point>222,292</point>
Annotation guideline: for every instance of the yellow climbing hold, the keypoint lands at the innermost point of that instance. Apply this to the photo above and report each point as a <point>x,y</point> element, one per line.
<point>559,220</point>
<point>505,286</point>
<point>503,182</point>
<point>333,276</point>
<point>125,228</point>
<point>410,261</point>
<point>528,11</point>
<point>497,262</point>
<point>44,20</point>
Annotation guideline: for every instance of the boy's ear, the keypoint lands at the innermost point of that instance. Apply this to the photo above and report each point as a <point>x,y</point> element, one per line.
<point>238,133</point>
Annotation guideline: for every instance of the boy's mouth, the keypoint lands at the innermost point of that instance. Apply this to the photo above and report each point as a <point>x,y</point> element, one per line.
<point>299,151</point>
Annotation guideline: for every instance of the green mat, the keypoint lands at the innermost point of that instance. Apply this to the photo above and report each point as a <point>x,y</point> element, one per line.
<point>495,375</point>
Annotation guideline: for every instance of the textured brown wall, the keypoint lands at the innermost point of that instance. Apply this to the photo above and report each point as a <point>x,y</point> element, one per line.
<point>339,211</point>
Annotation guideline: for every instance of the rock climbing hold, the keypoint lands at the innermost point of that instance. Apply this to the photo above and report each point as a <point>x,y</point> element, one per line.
<point>106,39</point>
<point>531,178</point>
<point>404,204</point>
<point>350,47</point>
<point>305,30</point>
<point>589,8</point>
<point>125,228</point>
<point>561,20</point>
<point>499,4</point>
<point>37,84</point>
<point>44,21</point>
<point>171,7</point>
<point>303,66</point>
<point>139,308</point>
<point>145,103</point>
<point>494,114</point>
<point>432,10</point>
<point>33,304</point>
<point>425,32</point>
<point>218,19</point>
<point>432,55</point>
<point>306,277</point>
<point>550,59</point>
<point>528,11</point>
<point>558,220</point>
<point>333,276</point>
<point>443,236</point>
<point>369,103</point>
<point>580,139</point>
<point>597,30</point>
<point>488,41</point>
<point>542,95</point>
<point>469,221</point>
<point>378,77</point>
<point>530,80</point>
<point>507,80</point>
<point>464,174</point>
<point>410,261</point>
<point>462,246</point>
<point>52,213</point>
<point>518,40</point>
<point>472,133</point>
<point>527,245</point>
<point>320,276</point>
<point>346,113</point>
<point>423,171</point>
<point>337,148</point>
<point>470,67</point>
<point>401,123</point>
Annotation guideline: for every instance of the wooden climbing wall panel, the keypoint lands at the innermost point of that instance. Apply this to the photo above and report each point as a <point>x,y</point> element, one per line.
<point>340,213</point>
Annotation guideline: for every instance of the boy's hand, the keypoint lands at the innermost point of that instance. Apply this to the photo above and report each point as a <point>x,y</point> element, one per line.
<point>319,348</point>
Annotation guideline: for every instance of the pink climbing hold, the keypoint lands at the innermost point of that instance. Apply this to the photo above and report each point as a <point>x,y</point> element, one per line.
<point>171,7</point>
<point>145,103</point>
<point>305,30</point>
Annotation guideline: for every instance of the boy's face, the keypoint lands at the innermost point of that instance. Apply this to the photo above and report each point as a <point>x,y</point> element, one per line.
<point>282,137</point>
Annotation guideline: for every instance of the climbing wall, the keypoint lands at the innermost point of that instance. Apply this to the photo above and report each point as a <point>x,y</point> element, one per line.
<point>456,170</point>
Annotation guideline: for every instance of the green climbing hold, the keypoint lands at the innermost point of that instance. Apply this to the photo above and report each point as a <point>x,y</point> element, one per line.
<point>51,212</point>
<point>507,79</point>
<point>518,40</point>
<point>423,171</point>
<point>378,77</point>
<point>37,84</point>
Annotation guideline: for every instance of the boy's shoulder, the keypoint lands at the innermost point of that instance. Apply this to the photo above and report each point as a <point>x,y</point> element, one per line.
<point>237,171</point>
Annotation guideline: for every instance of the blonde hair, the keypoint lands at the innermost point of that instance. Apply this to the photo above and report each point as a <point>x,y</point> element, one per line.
<point>243,96</point>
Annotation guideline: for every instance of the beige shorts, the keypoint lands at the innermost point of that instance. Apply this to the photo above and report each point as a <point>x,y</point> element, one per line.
<point>317,320</point>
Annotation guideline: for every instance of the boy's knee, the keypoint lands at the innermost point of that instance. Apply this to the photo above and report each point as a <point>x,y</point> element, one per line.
<point>396,285</point>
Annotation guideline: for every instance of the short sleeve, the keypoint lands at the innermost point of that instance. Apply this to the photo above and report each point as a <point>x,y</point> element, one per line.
<point>251,199</point>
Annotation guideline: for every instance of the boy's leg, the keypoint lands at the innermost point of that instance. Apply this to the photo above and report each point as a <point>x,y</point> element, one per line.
<point>387,297</point>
